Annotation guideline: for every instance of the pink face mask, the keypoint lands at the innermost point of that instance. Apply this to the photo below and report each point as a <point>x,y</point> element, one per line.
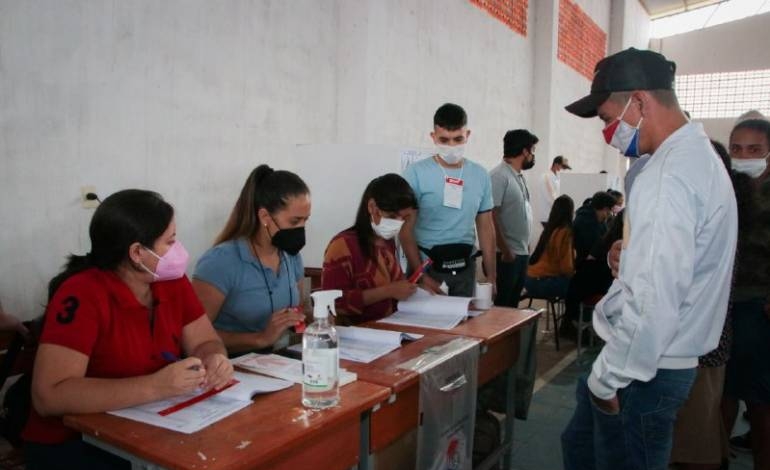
<point>170,266</point>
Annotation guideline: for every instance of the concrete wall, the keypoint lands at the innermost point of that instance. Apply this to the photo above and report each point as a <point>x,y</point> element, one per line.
<point>186,96</point>
<point>183,97</point>
<point>707,51</point>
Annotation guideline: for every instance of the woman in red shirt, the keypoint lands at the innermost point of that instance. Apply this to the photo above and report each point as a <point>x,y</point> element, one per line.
<point>361,261</point>
<point>114,318</point>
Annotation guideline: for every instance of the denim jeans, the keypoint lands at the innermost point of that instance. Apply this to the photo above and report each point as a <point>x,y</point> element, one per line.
<point>510,280</point>
<point>638,437</point>
<point>546,287</point>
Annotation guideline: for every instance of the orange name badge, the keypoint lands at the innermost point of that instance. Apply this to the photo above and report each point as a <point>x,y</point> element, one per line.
<point>453,192</point>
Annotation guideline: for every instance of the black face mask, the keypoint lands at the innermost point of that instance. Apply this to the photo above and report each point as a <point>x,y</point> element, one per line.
<point>528,164</point>
<point>290,240</point>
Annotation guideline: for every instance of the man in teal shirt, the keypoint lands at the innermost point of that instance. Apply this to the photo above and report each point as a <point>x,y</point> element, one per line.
<point>455,201</point>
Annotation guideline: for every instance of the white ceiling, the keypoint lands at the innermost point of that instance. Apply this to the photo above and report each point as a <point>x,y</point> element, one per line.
<point>660,8</point>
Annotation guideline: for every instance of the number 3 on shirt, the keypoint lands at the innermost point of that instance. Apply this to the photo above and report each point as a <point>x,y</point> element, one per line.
<point>453,192</point>
<point>67,313</point>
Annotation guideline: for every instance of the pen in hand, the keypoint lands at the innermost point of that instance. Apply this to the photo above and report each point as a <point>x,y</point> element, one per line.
<point>418,274</point>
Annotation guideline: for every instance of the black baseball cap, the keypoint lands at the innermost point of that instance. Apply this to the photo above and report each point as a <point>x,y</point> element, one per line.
<point>628,70</point>
<point>560,160</point>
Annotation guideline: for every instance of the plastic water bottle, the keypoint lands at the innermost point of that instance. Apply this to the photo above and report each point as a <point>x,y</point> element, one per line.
<point>320,355</point>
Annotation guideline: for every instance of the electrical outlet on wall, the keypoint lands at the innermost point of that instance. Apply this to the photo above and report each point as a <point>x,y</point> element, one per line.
<point>84,190</point>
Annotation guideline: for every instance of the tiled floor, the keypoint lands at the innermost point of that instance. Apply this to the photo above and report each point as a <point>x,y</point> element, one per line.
<point>537,443</point>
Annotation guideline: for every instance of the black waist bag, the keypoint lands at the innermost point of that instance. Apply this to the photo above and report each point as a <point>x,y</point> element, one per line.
<point>452,257</point>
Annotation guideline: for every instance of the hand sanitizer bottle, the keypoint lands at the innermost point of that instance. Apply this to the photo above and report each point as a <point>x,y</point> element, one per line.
<point>320,355</point>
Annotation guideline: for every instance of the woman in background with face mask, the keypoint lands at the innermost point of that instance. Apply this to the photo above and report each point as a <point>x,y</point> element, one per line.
<point>361,260</point>
<point>750,148</point>
<point>116,321</point>
<point>250,282</point>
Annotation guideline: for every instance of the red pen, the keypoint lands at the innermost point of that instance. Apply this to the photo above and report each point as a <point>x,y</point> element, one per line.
<point>418,274</point>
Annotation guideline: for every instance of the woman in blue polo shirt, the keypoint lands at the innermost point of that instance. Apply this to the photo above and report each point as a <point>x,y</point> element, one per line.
<point>250,282</point>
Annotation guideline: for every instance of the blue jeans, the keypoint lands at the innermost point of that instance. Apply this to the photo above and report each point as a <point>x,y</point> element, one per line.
<point>510,280</point>
<point>547,287</point>
<point>638,437</point>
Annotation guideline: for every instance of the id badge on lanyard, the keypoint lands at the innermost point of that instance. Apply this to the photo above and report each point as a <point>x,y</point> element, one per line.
<point>453,192</point>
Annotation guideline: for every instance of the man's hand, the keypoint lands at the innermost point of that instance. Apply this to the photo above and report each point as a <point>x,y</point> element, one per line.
<point>611,406</point>
<point>613,257</point>
<point>507,257</point>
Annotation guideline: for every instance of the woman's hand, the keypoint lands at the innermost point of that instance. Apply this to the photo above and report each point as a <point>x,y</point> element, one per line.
<point>219,371</point>
<point>280,321</point>
<point>180,377</point>
<point>431,285</point>
<point>401,290</point>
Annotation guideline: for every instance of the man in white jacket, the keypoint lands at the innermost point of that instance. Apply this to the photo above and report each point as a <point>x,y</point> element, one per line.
<point>668,304</point>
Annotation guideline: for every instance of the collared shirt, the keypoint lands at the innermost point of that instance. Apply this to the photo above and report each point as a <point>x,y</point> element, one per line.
<point>248,286</point>
<point>668,305</point>
<point>436,223</point>
<point>511,198</point>
<point>95,313</point>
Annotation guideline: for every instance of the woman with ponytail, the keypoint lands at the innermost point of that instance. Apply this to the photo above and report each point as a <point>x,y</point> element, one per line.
<point>362,261</point>
<point>250,282</point>
<point>115,317</point>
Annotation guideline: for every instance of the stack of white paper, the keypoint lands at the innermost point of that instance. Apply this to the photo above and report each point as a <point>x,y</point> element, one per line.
<point>424,310</point>
<point>282,367</point>
<point>367,344</point>
<point>198,415</point>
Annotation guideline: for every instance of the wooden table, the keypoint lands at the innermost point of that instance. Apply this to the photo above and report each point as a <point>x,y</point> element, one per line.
<point>498,328</point>
<point>275,432</point>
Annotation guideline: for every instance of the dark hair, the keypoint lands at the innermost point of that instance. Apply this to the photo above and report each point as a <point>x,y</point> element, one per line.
<point>724,155</point>
<point>613,234</point>
<point>560,216</point>
<point>122,219</point>
<point>615,194</point>
<point>758,125</point>
<point>602,200</point>
<point>450,117</point>
<point>391,193</point>
<point>744,188</point>
<point>516,141</point>
<point>264,188</point>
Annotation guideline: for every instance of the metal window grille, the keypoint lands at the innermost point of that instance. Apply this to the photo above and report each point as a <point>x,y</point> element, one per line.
<point>725,94</point>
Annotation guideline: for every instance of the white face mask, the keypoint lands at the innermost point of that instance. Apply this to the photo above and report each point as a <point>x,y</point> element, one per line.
<point>451,154</point>
<point>753,167</point>
<point>387,228</point>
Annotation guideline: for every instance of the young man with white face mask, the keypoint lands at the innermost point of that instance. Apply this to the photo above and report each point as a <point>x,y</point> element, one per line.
<point>455,200</point>
<point>747,375</point>
<point>750,148</point>
<point>668,305</point>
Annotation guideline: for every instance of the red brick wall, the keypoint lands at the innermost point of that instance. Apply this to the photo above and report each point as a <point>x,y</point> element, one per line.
<point>511,12</point>
<point>582,43</point>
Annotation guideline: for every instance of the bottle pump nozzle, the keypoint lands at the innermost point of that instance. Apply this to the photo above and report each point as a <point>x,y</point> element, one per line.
<point>323,302</point>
